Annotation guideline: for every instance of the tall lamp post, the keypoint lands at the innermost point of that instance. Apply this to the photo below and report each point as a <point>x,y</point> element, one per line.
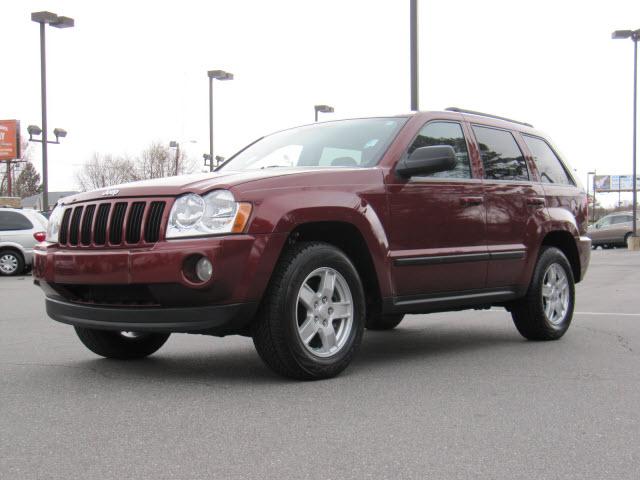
<point>46,18</point>
<point>593,211</point>
<point>176,145</point>
<point>634,35</point>
<point>413,47</point>
<point>214,75</point>
<point>322,109</point>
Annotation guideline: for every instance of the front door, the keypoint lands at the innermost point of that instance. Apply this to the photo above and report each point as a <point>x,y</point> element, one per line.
<point>437,240</point>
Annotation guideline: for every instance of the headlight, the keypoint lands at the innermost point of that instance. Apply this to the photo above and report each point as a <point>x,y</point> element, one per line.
<point>53,227</point>
<point>214,213</point>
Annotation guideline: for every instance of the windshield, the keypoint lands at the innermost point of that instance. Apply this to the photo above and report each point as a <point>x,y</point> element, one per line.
<point>343,143</point>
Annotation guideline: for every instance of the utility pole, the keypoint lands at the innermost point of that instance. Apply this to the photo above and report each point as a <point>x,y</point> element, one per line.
<point>413,28</point>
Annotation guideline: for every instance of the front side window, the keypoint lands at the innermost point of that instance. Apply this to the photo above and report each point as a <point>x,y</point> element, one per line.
<point>604,222</point>
<point>445,133</point>
<point>343,143</point>
<point>501,156</point>
<point>14,221</point>
<point>548,164</point>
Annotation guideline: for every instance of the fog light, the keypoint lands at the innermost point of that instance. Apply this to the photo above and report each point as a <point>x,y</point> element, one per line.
<point>204,269</point>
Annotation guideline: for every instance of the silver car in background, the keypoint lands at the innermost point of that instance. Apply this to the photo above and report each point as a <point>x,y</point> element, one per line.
<point>612,230</point>
<point>20,230</point>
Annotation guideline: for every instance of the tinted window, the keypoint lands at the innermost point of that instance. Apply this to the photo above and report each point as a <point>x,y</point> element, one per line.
<point>549,166</point>
<point>501,156</point>
<point>445,133</point>
<point>14,221</point>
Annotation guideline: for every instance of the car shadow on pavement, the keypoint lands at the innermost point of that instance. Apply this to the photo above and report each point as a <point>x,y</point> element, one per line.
<point>400,347</point>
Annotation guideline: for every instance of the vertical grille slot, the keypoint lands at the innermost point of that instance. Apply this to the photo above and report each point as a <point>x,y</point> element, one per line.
<point>100,234</point>
<point>75,225</point>
<point>134,224</point>
<point>154,219</point>
<point>117,221</point>
<point>87,220</point>
<point>64,226</point>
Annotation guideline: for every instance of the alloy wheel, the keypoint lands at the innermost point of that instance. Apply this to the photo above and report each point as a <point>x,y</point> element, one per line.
<point>555,294</point>
<point>324,312</point>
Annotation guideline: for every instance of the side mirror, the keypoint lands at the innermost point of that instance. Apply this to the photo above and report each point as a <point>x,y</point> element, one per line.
<point>426,160</point>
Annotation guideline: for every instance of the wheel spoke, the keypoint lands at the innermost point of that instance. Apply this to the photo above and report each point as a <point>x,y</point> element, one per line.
<point>341,309</point>
<point>546,290</point>
<point>308,330</point>
<point>307,297</point>
<point>327,283</point>
<point>328,337</point>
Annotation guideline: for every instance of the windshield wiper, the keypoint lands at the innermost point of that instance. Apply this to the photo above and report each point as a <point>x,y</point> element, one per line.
<point>274,166</point>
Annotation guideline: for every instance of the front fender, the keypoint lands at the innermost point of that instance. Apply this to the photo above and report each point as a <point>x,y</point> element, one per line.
<point>281,214</point>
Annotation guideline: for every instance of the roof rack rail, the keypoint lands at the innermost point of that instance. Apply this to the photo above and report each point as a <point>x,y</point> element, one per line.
<point>472,112</point>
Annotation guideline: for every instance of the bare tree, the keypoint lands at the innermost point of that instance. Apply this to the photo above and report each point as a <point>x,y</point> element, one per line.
<point>156,161</point>
<point>105,170</point>
<point>160,161</point>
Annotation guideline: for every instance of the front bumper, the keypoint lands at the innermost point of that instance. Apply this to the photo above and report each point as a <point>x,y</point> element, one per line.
<point>146,289</point>
<point>217,320</point>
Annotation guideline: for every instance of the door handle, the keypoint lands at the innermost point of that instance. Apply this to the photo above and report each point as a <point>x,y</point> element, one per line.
<point>469,201</point>
<point>536,201</point>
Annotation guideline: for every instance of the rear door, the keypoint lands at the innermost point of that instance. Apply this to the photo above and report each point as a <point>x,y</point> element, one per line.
<point>515,206</point>
<point>437,239</point>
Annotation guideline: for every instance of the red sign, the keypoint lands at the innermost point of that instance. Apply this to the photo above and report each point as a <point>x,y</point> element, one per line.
<point>9,139</point>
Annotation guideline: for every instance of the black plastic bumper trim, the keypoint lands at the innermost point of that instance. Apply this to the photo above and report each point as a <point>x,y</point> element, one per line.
<point>211,319</point>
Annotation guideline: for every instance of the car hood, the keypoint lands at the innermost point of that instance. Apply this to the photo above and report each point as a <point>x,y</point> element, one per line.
<point>200,183</point>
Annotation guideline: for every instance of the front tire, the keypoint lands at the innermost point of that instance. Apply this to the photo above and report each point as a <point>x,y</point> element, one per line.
<point>11,263</point>
<point>545,312</point>
<point>311,321</point>
<point>121,345</point>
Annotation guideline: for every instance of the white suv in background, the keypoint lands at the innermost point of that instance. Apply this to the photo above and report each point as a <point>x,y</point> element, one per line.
<point>20,230</point>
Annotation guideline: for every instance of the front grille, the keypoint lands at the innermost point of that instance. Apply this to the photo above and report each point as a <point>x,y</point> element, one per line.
<point>112,223</point>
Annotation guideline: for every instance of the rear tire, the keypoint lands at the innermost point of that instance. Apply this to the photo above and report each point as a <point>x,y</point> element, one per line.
<point>311,321</point>
<point>121,345</point>
<point>545,312</point>
<point>384,322</point>
<point>11,263</point>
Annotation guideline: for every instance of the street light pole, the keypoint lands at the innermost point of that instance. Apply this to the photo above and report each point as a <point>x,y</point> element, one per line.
<point>211,124</point>
<point>46,18</point>
<point>43,96</point>
<point>413,41</point>
<point>634,35</point>
<point>217,75</point>
<point>593,212</point>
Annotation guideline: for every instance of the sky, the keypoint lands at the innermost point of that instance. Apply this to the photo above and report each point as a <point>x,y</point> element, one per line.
<point>131,73</point>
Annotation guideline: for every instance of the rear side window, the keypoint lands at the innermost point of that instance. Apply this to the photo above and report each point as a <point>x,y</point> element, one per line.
<point>14,221</point>
<point>622,219</point>
<point>501,156</point>
<point>445,133</point>
<point>548,164</point>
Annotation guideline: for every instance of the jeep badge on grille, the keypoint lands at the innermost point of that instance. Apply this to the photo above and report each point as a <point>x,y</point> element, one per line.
<point>110,192</point>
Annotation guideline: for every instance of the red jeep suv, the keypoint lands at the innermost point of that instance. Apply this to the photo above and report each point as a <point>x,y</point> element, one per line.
<point>309,235</point>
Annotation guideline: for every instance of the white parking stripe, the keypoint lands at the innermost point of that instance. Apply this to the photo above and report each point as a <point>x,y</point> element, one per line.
<point>606,314</point>
<point>609,314</point>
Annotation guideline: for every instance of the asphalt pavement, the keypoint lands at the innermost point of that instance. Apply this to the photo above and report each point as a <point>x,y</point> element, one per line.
<point>454,396</point>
